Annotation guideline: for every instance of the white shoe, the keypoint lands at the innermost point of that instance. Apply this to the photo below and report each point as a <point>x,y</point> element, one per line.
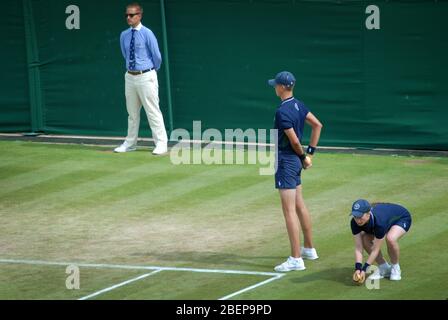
<point>290,265</point>
<point>309,253</point>
<point>125,147</point>
<point>160,149</point>
<point>382,272</point>
<point>395,272</point>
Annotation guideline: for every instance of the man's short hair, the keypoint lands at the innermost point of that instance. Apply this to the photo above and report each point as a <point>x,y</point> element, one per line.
<point>135,5</point>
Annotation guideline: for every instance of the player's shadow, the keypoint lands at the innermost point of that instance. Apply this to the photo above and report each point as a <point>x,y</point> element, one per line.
<point>205,259</point>
<point>340,275</point>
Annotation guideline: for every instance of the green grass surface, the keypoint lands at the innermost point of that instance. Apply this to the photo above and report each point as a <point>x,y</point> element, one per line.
<point>73,203</point>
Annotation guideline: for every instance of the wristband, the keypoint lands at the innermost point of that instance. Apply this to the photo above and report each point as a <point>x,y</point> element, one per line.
<point>302,156</point>
<point>365,266</point>
<point>358,266</point>
<point>310,150</point>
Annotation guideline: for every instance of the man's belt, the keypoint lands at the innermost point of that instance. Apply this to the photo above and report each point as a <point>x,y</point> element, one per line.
<point>136,72</point>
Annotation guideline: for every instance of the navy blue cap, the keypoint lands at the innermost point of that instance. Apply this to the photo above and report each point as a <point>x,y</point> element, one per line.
<point>284,78</point>
<point>360,207</point>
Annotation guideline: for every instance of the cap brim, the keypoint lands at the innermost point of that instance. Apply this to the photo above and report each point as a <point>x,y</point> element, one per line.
<point>272,82</point>
<point>357,214</point>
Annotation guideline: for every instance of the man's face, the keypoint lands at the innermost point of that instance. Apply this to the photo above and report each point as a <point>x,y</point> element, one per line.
<point>363,219</point>
<point>133,16</point>
<point>279,89</point>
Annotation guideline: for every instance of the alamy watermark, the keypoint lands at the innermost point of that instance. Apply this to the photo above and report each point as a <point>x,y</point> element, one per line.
<point>228,149</point>
<point>72,282</point>
<point>373,20</point>
<point>73,21</point>
<point>372,283</point>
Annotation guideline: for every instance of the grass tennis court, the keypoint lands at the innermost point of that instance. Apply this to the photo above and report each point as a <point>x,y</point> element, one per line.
<point>197,223</point>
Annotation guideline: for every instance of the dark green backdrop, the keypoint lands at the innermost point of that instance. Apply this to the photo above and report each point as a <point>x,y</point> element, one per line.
<point>370,88</point>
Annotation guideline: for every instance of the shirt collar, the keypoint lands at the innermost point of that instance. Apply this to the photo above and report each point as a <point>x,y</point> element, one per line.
<point>138,27</point>
<point>287,100</point>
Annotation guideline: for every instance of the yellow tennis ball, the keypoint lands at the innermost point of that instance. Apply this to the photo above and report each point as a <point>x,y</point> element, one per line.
<point>357,278</point>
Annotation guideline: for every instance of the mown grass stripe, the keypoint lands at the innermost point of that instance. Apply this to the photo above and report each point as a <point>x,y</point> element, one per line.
<point>91,189</point>
<point>42,174</point>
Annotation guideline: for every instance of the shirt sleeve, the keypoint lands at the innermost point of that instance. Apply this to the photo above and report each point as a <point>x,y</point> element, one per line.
<point>379,232</point>
<point>153,48</point>
<point>283,121</point>
<point>305,111</point>
<point>123,52</point>
<point>355,228</point>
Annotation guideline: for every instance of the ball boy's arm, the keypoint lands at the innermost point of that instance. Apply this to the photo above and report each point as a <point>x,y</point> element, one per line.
<point>297,147</point>
<point>375,250</point>
<point>359,274</point>
<point>316,128</point>
<point>358,248</point>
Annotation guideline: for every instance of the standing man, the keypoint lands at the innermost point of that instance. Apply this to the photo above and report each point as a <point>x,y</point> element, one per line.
<point>141,52</point>
<point>290,120</point>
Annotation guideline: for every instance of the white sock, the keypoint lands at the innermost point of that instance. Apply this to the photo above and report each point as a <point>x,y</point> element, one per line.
<point>384,265</point>
<point>396,266</point>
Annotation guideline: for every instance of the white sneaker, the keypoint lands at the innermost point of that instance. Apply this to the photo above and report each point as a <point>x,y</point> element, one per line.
<point>290,265</point>
<point>309,253</point>
<point>395,272</point>
<point>160,149</point>
<point>125,147</point>
<point>382,272</point>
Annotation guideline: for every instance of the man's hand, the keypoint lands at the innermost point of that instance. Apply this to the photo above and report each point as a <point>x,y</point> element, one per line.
<point>359,277</point>
<point>307,162</point>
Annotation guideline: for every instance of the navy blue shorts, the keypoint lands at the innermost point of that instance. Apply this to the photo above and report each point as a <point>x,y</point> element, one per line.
<point>288,172</point>
<point>404,222</point>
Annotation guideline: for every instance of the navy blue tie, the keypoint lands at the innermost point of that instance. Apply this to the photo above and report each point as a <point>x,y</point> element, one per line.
<point>132,52</point>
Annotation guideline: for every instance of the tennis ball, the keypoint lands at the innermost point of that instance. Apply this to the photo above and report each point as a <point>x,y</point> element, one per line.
<point>358,279</point>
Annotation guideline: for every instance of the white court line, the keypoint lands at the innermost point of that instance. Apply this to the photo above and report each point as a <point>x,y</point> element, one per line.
<point>273,275</point>
<point>119,285</point>
<point>251,287</point>
<point>118,266</point>
<point>436,153</point>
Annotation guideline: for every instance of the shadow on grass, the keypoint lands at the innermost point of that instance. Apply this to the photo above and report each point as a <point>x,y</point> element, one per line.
<point>205,259</point>
<point>340,275</point>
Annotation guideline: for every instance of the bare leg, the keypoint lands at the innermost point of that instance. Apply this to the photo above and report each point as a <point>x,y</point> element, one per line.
<point>288,197</point>
<point>392,237</point>
<point>305,218</point>
<point>367,241</point>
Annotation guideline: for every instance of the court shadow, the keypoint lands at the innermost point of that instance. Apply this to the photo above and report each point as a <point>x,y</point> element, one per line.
<point>205,259</point>
<point>339,275</point>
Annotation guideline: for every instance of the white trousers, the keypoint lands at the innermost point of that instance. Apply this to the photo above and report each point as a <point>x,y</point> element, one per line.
<point>143,89</point>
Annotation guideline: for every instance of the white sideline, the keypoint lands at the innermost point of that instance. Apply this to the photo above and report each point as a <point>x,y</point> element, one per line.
<point>251,287</point>
<point>436,153</point>
<point>273,275</point>
<point>119,266</point>
<point>119,285</point>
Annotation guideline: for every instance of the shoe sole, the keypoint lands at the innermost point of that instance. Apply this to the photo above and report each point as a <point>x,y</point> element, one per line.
<point>300,269</point>
<point>129,150</point>
<point>387,276</point>
<point>310,258</point>
<point>305,256</point>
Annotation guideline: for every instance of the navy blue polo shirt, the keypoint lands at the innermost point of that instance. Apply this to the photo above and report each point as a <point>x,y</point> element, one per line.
<point>382,218</point>
<point>290,114</point>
